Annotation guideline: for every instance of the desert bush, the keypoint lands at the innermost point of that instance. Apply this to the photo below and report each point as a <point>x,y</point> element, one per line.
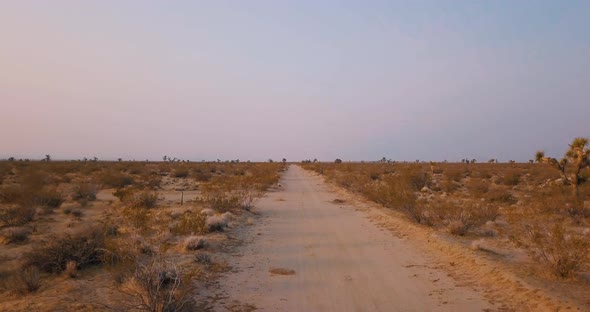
<point>140,218</point>
<point>420,212</point>
<point>31,194</point>
<point>124,194</point>
<point>217,223</point>
<point>160,287</point>
<point>49,197</point>
<point>416,176</point>
<point>52,255</point>
<point>565,253</point>
<point>76,213</point>
<point>154,182</point>
<point>448,185</point>
<point>478,187</point>
<point>10,194</point>
<point>202,175</point>
<point>119,253</point>
<point>222,202</point>
<point>462,217</point>
<point>500,196</point>
<point>112,179</point>
<point>145,199</point>
<point>25,280</point>
<point>15,215</point>
<point>204,259</point>
<point>15,234</point>
<point>85,191</point>
<point>190,223</point>
<point>511,179</point>
<point>194,243</point>
<point>456,172</point>
<point>71,269</point>
<point>180,173</point>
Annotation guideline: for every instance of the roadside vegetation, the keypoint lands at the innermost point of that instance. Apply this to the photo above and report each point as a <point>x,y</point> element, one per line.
<point>141,229</point>
<point>540,208</point>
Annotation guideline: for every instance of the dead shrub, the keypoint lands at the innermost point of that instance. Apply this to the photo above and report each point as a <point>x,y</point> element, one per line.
<point>203,259</point>
<point>462,217</point>
<point>31,194</point>
<point>456,173</point>
<point>71,269</point>
<point>138,217</point>
<point>499,196</point>
<point>85,191</point>
<point>447,185</point>
<point>15,235</point>
<point>222,202</point>
<point>202,175</point>
<point>10,194</point>
<point>115,179</point>
<point>50,198</point>
<point>511,179</point>
<point>154,182</point>
<point>159,286</point>
<point>478,187</point>
<point>217,223</point>
<point>565,253</point>
<point>16,215</point>
<point>52,255</point>
<point>194,243</point>
<point>180,173</point>
<point>145,200</point>
<point>124,194</point>
<point>190,223</point>
<point>26,280</point>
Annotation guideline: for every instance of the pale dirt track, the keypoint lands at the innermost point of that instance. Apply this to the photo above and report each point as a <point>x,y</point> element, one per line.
<point>342,261</point>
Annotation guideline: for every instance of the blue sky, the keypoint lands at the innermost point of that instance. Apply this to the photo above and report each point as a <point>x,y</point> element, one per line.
<point>428,80</point>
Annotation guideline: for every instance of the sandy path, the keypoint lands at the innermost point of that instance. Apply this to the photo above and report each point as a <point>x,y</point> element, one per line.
<point>342,261</point>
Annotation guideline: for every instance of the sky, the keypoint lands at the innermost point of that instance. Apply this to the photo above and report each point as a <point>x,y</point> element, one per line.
<point>252,80</point>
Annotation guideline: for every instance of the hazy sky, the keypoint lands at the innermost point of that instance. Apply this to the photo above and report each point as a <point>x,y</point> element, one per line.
<point>427,80</point>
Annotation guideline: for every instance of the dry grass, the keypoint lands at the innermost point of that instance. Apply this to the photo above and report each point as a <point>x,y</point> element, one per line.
<point>53,255</point>
<point>190,223</point>
<point>14,235</point>
<point>117,238</point>
<point>564,252</point>
<point>466,199</point>
<point>160,286</point>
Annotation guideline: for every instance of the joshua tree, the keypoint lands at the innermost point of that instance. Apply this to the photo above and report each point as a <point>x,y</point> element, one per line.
<point>47,158</point>
<point>165,158</point>
<point>284,160</point>
<point>578,155</point>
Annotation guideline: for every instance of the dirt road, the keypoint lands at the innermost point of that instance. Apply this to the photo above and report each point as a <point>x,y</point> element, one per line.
<point>330,257</point>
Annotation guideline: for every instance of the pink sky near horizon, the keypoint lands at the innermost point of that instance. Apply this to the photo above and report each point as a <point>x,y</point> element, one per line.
<point>207,80</point>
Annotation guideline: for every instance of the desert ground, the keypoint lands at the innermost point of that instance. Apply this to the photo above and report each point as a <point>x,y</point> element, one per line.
<point>235,236</point>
